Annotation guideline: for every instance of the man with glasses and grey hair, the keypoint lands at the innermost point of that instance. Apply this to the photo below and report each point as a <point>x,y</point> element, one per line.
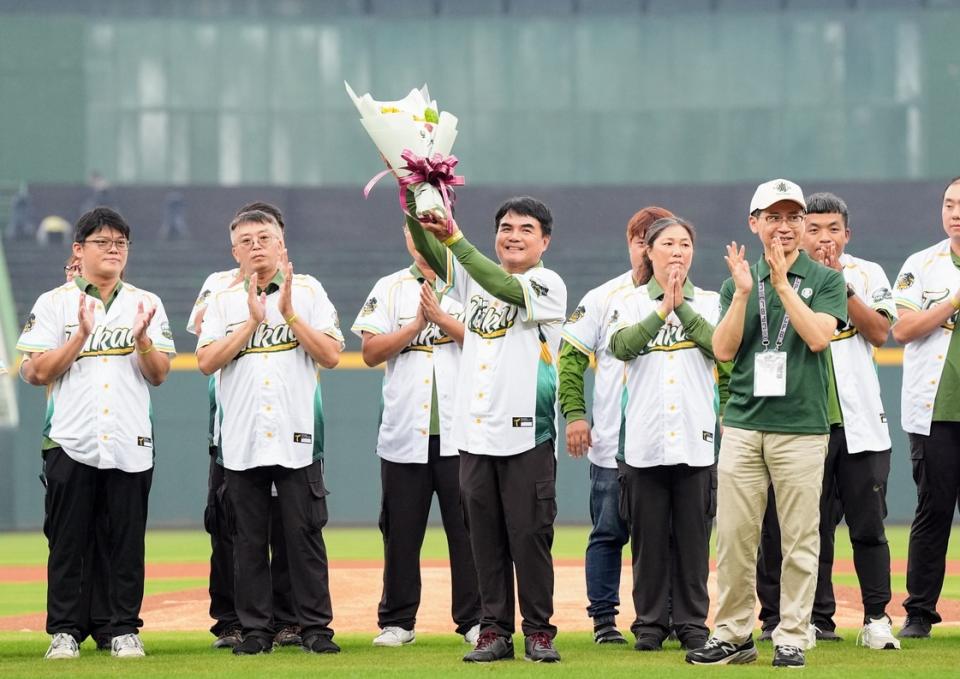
<point>217,516</point>
<point>266,335</point>
<point>778,317</point>
<point>97,343</point>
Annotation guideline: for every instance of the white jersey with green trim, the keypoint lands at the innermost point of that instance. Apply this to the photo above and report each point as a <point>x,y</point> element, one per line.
<point>668,393</point>
<point>404,434</point>
<point>270,393</point>
<point>587,330</point>
<point>214,283</point>
<point>99,410</point>
<point>858,385</point>
<point>506,400</point>
<point>926,279</point>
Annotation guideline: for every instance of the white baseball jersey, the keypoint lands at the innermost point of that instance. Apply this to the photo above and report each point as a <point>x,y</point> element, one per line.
<point>927,278</point>
<point>506,401</point>
<point>213,284</point>
<point>858,386</point>
<point>668,394</point>
<point>272,413</point>
<point>587,329</point>
<point>99,410</point>
<point>408,384</point>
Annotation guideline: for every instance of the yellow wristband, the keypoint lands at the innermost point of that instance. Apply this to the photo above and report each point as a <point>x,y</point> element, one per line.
<point>953,301</point>
<point>661,315</point>
<point>291,319</point>
<point>453,239</point>
<point>149,349</point>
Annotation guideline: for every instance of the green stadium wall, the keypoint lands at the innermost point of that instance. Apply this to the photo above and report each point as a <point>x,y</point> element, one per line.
<point>351,401</point>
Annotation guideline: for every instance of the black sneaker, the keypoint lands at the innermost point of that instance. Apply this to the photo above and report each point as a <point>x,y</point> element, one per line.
<point>649,642</point>
<point>229,638</point>
<point>827,634</point>
<point>788,656</point>
<point>717,652</point>
<point>692,643</point>
<point>915,627</point>
<point>538,647</point>
<point>288,635</point>
<point>319,643</point>
<point>490,648</point>
<point>766,634</point>
<point>252,645</point>
<point>607,633</point>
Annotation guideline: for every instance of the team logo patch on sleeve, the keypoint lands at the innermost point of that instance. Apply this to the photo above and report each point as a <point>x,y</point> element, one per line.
<point>539,288</point>
<point>522,421</point>
<point>707,436</point>
<point>165,330</point>
<point>905,281</point>
<point>144,442</point>
<point>369,307</point>
<point>882,294</point>
<point>614,317</point>
<point>577,314</point>
<point>202,299</point>
<point>302,438</point>
<point>31,321</point>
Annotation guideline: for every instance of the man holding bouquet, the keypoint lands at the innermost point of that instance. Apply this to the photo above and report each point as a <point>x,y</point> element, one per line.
<point>505,414</point>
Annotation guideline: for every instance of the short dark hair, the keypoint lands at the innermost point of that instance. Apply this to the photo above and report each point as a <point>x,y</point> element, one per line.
<point>260,206</point>
<point>826,203</point>
<point>526,206</point>
<point>96,219</point>
<point>955,180</point>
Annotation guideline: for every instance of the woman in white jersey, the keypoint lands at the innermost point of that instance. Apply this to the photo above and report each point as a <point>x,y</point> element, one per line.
<point>663,331</point>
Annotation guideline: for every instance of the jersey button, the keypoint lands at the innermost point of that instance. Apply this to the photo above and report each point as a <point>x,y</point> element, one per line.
<point>106,386</point>
<point>106,438</point>
<point>477,420</point>
<point>266,383</point>
<point>269,434</point>
<point>267,408</point>
<point>106,411</point>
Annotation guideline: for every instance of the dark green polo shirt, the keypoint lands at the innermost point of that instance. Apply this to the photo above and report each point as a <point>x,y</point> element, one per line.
<point>803,410</point>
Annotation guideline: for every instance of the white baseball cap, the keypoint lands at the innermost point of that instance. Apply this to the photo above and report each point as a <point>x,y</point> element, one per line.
<point>774,191</point>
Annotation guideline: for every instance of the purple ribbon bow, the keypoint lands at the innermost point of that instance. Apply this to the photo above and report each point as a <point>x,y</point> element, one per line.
<point>436,170</point>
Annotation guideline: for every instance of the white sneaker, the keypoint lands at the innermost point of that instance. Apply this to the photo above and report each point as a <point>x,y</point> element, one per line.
<point>62,646</point>
<point>877,634</point>
<point>127,646</point>
<point>395,636</point>
<point>472,635</point>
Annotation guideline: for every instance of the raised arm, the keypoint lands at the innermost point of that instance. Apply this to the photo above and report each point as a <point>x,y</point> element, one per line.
<point>728,334</point>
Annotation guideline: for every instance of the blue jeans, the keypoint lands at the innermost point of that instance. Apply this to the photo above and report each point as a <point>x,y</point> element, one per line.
<point>605,545</point>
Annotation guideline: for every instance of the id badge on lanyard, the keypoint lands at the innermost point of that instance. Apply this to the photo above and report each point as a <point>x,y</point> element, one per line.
<point>770,367</point>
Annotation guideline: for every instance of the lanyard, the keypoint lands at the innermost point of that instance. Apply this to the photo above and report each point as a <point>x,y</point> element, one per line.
<point>764,331</point>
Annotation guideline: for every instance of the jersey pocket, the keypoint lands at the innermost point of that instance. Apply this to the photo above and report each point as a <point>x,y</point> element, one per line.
<point>546,505</point>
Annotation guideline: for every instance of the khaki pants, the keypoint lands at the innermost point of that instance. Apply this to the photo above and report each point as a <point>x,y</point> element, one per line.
<point>749,462</point>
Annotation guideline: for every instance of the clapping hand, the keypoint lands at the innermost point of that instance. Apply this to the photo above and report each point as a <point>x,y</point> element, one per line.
<point>142,320</point>
<point>85,316</point>
<point>736,259</point>
<point>257,305</point>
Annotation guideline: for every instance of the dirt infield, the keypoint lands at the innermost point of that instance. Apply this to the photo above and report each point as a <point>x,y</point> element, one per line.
<point>355,589</point>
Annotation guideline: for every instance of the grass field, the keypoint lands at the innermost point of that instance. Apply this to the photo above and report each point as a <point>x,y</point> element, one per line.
<point>188,654</point>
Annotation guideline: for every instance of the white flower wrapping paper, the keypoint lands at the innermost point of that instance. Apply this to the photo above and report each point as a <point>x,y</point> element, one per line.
<point>410,124</point>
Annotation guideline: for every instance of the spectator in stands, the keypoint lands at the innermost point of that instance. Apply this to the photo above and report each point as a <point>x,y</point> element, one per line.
<point>98,192</point>
<point>174,217</point>
<point>928,301</point>
<point>21,215</point>
<point>586,334</point>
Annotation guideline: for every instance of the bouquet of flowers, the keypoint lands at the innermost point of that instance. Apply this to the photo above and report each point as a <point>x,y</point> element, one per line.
<point>415,140</point>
